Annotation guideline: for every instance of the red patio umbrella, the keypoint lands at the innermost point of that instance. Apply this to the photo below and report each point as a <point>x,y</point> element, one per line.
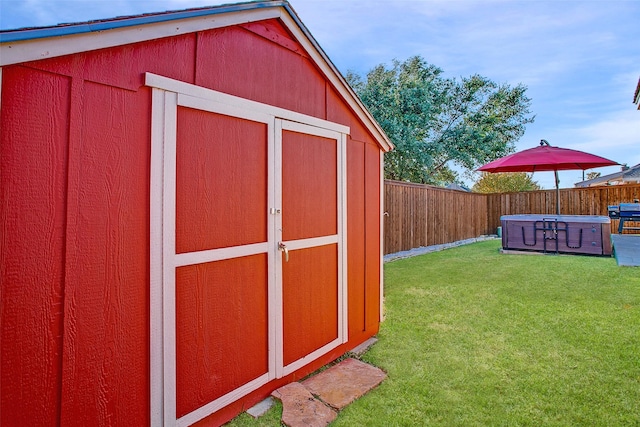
<point>547,158</point>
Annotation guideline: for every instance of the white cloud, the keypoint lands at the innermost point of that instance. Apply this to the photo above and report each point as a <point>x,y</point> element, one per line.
<point>618,134</point>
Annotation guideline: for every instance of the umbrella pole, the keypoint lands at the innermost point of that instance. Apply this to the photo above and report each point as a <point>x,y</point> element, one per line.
<point>557,192</point>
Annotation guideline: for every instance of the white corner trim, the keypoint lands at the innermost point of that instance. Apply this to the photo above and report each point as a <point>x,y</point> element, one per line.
<point>343,264</point>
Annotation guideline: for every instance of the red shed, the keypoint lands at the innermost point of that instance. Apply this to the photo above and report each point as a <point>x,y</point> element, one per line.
<point>191,216</point>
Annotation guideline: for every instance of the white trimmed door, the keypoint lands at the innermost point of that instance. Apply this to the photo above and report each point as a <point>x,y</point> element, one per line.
<point>247,247</point>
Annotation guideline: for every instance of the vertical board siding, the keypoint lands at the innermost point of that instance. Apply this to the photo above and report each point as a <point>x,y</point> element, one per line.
<point>125,66</point>
<point>424,215</point>
<point>105,367</point>
<point>33,180</point>
<point>356,236</point>
<point>372,237</point>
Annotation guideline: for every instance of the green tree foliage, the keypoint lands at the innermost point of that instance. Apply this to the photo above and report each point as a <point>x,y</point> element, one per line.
<point>435,122</point>
<point>593,175</point>
<point>505,183</point>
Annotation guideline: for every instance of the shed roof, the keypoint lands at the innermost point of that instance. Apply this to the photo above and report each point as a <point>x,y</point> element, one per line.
<point>31,44</point>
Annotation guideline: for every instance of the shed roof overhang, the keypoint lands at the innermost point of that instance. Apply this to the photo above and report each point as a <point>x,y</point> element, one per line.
<point>31,44</point>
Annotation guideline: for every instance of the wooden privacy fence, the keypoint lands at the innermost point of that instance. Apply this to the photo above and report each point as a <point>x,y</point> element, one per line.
<point>424,215</point>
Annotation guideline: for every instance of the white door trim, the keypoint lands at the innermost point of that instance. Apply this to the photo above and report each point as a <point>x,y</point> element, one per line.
<point>177,86</point>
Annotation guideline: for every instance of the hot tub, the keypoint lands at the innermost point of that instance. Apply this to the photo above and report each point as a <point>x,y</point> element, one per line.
<point>576,234</point>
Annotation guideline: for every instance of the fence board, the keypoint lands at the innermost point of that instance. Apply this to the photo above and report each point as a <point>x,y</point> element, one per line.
<point>424,215</point>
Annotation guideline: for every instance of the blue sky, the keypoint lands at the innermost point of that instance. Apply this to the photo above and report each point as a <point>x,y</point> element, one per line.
<point>579,59</point>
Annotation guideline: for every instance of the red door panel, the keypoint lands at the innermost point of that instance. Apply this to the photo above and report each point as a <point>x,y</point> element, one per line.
<point>221,181</point>
<point>309,186</point>
<point>310,289</point>
<point>221,328</point>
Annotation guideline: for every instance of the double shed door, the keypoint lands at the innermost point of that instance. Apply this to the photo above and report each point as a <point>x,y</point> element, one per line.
<point>251,275</point>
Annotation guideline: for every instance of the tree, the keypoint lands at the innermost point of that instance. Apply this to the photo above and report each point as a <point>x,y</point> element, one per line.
<point>508,182</point>
<point>435,122</point>
<point>593,175</point>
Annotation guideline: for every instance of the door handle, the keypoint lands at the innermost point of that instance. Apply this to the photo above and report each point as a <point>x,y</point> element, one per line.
<point>284,249</point>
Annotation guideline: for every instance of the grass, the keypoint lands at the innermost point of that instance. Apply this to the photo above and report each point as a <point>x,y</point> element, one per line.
<point>476,338</point>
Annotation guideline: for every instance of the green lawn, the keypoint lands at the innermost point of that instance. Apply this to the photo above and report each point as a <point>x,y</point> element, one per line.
<point>473,337</point>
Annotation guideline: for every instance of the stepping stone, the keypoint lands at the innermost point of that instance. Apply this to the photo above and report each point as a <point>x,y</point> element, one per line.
<point>301,409</point>
<point>343,383</point>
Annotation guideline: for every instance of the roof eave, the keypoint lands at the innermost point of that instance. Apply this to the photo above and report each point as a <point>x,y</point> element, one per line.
<point>33,44</point>
<point>67,29</point>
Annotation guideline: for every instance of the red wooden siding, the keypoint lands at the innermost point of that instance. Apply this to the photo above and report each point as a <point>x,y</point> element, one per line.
<point>372,237</point>
<point>221,318</point>
<point>363,210</point>
<point>124,66</point>
<point>33,174</point>
<point>276,76</point>
<point>309,209</point>
<point>356,237</point>
<point>221,187</point>
<point>105,367</point>
<point>74,267</point>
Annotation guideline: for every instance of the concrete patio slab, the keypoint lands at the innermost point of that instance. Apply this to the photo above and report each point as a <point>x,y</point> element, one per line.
<point>626,249</point>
